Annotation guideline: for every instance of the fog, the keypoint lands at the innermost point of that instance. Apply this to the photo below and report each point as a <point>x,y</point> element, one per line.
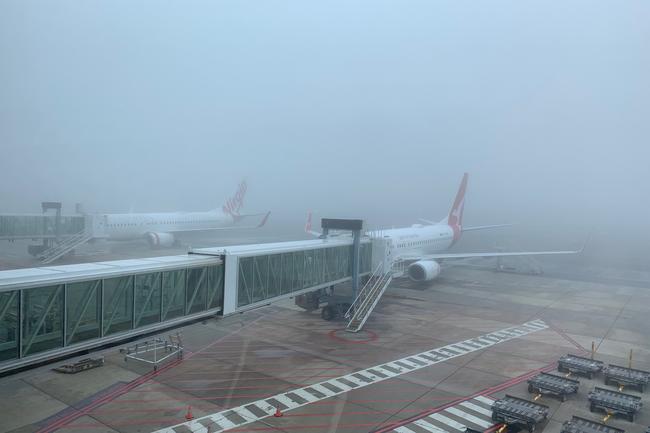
<point>371,109</point>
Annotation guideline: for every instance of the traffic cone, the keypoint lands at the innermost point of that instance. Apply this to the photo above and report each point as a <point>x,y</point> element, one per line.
<point>188,415</point>
<point>278,413</point>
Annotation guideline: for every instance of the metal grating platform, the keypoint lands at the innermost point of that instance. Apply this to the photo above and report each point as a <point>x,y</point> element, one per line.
<point>545,383</point>
<point>582,425</point>
<point>579,365</point>
<point>626,377</point>
<point>519,412</point>
<point>614,403</point>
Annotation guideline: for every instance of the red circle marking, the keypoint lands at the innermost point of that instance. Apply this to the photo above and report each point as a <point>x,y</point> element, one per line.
<point>333,336</point>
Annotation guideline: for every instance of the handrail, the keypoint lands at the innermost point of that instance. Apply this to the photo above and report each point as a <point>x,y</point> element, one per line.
<point>371,292</point>
<point>362,291</point>
<point>371,306</point>
<point>69,243</point>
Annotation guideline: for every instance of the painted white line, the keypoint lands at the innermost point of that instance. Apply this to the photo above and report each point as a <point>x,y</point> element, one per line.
<point>409,363</point>
<point>340,384</point>
<point>399,368</point>
<point>485,400</point>
<point>429,427</point>
<point>282,398</point>
<point>383,371</point>
<point>245,413</point>
<point>448,421</point>
<point>466,347</point>
<point>404,430</point>
<point>423,359</point>
<point>356,380</point>
<point>265,405</point>
<point>197,427</point>
<point>322,390</point>
<point>468,417</point>
<point>224,422</point>
<point>476,408</point>
<point>304,394</point>
<point>371,377</point>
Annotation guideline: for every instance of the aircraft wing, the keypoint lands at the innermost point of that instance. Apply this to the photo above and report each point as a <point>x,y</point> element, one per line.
<point>474,255</point>
<point>493,226</point>
<point>468,229</point>
<point>242,217</point>
<point>234,227</point>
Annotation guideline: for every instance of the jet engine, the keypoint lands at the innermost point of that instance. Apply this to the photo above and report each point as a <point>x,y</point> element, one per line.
<point>160,240</point>
<point>423,270</point>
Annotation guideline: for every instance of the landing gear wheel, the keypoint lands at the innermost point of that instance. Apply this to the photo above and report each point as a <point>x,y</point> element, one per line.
<point>530,388</point>
<point>327,313</point>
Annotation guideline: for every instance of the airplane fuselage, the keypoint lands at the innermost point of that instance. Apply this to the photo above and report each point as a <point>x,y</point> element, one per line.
<point>138,225</point>
<point>419,240</point>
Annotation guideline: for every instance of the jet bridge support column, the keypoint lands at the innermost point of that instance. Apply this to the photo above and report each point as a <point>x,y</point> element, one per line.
<point>355,226</point>
<point>355,262</point>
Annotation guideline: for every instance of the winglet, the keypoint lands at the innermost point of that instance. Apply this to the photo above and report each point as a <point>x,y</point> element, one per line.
<point>584,245</point>
<point>266,217</point>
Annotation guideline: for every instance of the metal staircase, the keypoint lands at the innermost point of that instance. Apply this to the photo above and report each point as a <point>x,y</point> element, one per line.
<point>64,247</point>
<point>367,299</point>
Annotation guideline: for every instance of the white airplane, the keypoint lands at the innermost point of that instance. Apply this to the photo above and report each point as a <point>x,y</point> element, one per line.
<point>421,247</point>
<point>161,229</point>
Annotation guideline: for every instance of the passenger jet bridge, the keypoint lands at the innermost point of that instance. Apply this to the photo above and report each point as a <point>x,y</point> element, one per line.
<point>53,311</point>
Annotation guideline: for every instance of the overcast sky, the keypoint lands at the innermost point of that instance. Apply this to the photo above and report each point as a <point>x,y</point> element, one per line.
<point>364,108</point>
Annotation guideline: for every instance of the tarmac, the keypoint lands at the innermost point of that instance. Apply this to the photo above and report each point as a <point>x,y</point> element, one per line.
<point>333,379</point>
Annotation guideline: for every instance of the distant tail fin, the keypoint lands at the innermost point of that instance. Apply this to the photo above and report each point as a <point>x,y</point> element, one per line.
<point>308,228</point>
<point>233,205</point>
<point>455,217</point>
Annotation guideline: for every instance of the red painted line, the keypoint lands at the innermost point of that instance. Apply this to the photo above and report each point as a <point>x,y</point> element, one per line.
<point>230,373</point>
<point>192,398</point>
<point>223,397</point>
<point>278,389</point>
<point>65,420</point>
<point>207,388</point>
<point>333,336</point>
<point>211,407</point>
<point>338,426</point>
<point>163,421</point>
<point>487,391</point>
<point>392,388</point>
<point>241,429</point>
<point>567,338</point>
<point>260,378</point>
